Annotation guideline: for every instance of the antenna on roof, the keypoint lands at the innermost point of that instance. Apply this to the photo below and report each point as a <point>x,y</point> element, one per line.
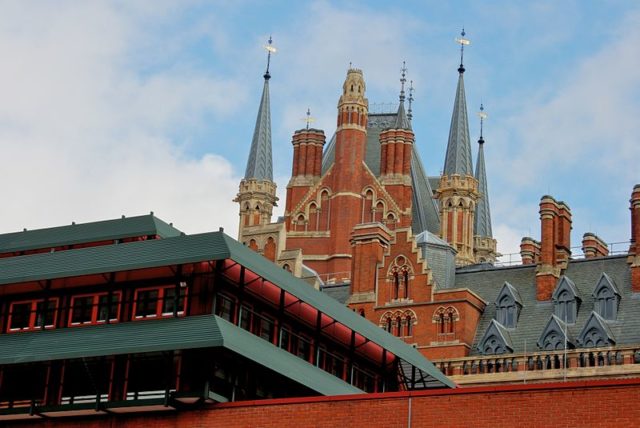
<point>270,49</point>
<point>463,42</point>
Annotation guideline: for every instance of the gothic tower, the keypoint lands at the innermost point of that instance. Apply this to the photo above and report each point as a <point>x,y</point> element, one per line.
<point>257,194</point>
<point>458,189</point>
<point>484,245</point>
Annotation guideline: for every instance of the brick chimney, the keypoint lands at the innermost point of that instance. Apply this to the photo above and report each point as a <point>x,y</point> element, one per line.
<point>634,248</point>
<point>593,246</point>
<point>555,245</point>
<point>368,244</point>
<point>529,251</point>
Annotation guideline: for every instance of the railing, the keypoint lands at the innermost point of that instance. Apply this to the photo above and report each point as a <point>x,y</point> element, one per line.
<point>542,364</point>
<point>615,249</point>
<point>335,277</point>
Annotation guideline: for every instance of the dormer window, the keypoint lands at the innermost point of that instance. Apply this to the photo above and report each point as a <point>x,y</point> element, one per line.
<point>606,298</point>
<point>508,306</point>
<point>565,300</point>
<point>495,341</point>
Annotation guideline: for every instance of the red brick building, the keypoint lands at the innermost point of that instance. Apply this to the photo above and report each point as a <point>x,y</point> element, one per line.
<point>415,254</point>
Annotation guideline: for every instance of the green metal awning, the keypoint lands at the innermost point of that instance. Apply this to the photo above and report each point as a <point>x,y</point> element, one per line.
<point>207,247</point>
<point>136,337</point>
<point>106,230</point>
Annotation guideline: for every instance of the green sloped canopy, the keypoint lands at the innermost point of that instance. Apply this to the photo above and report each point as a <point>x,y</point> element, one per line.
<point>106,230</point>
<point>205,331</point>
<point>205,247</point>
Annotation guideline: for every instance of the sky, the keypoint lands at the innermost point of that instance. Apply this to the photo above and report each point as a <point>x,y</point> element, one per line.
<point>111,108</point>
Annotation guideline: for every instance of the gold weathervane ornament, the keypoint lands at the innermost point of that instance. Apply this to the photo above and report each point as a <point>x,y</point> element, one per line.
<point>462,41</point>
<point>482,115</point>
<point>270,49</point>
<point>308,119</point>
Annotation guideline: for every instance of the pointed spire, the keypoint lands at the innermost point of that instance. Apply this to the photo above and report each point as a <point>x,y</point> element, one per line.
<point>409,111</point>
<point>260,165</point>
<point>402,122</point>
<point>458,157</point>
<point>482,225</point>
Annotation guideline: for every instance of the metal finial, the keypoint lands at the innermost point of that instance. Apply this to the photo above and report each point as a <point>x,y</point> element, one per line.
<point>409,112</point>
<point>462,41</point>
<point>308,119</point>
<point>350,65</point>
<point>270,49</point>
<point>482,115</point>
<point>403,80</point>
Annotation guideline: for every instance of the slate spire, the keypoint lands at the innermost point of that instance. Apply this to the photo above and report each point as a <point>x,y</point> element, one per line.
<point>482,225</point>
<point>260,164</point>
<point>458,157</point>
<point>402,119</point>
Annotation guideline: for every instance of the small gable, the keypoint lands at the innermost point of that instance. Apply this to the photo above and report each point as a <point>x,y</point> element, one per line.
<point>566,300</point>
<point>595,333</point>
<point>508,306</point>
<point>496,340</point>
<point>606,298</point>
<point>555,336</point>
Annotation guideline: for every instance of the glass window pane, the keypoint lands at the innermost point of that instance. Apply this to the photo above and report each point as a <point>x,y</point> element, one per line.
<point>81,310</point>
<point>146,304</point>
<point>108,308</point>
<point>20,315</point>
<point>46,316</point>
<point>224,307</point>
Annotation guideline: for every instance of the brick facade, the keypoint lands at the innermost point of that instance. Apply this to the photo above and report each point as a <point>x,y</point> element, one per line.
<point>579,404</point>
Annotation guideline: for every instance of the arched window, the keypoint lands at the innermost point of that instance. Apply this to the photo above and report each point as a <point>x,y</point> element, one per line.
<point>595,333</point>
<point>253,245</point>
<point>398,331</point>
<point>391,221</point>
<point>445,319</point>
<point>405,279</point>
<point>300,223</point>
<point>286,267</point>
<point>565,300</point>
<point>379,212</point>
<point>324,211</point>
<point>313,217</point>
<point>495,340</point>
<point>408,328</point>
<point>389,324</point>
<point>361,312</point>
<point>396,285</point>
<point>492,346</point>
<point>270,249</point>
<point>508,305</point>
<point>367,209</point>
<point>606,298</point>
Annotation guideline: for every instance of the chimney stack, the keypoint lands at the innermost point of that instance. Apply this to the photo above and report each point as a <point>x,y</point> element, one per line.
<point>634,248</point>
<point>593,246</point>
<point>555,245</point>
<point>529,251</point>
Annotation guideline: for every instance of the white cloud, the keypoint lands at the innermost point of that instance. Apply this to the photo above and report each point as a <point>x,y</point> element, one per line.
<point>85,135</point>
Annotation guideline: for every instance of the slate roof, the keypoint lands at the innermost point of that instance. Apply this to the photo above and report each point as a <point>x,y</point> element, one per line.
<point>260,164</point>
<point>425,209</point>
<point>458,157</point>
<point>482,226</point>
<point>125,227</point>
<point>534,315</point>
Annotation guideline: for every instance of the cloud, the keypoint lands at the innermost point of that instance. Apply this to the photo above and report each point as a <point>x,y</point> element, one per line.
<point>87,129</point>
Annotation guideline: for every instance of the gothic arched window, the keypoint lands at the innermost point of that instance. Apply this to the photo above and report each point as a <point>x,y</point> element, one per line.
<point>606,298</point>
<point>565,299</point>
<point>508,305</point>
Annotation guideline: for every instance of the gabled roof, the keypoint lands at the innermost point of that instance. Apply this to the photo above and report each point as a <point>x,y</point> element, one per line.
<point>565,284</point>
<point>500,333</point>
<point>605,281</point>
<point>425,209</point>
<point>482,226</point>
<point>510,290</point>
<point>557,326</point>
<point>458,157</point>
<point>205,331</point>
<point>125,227</point>
<point>487,283</point>
<point>598,323</point>
<point>198,248</point>
<point>260,164</point>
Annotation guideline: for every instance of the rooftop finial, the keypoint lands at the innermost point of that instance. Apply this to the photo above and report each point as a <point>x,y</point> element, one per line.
<point>403,80</point>
<point>308,119</point>
<point>270,49</point>
<point>462,41</point>
<point>409,111</point>
<point>482,115</point>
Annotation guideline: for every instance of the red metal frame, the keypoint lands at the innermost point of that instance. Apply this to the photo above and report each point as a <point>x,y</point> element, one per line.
<point>159,303</point>
<point>95,307</point>
<point>32,315</point>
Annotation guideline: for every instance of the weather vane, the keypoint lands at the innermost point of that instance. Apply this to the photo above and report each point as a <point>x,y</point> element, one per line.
<point>482,115</point>
<point>409,112</point>
<point>270,49</point>
<point>463,42</point>
<point>403,80</point>
<point>309,119</point>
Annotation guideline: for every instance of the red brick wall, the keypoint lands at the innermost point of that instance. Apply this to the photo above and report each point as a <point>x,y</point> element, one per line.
<point>579,404</point>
